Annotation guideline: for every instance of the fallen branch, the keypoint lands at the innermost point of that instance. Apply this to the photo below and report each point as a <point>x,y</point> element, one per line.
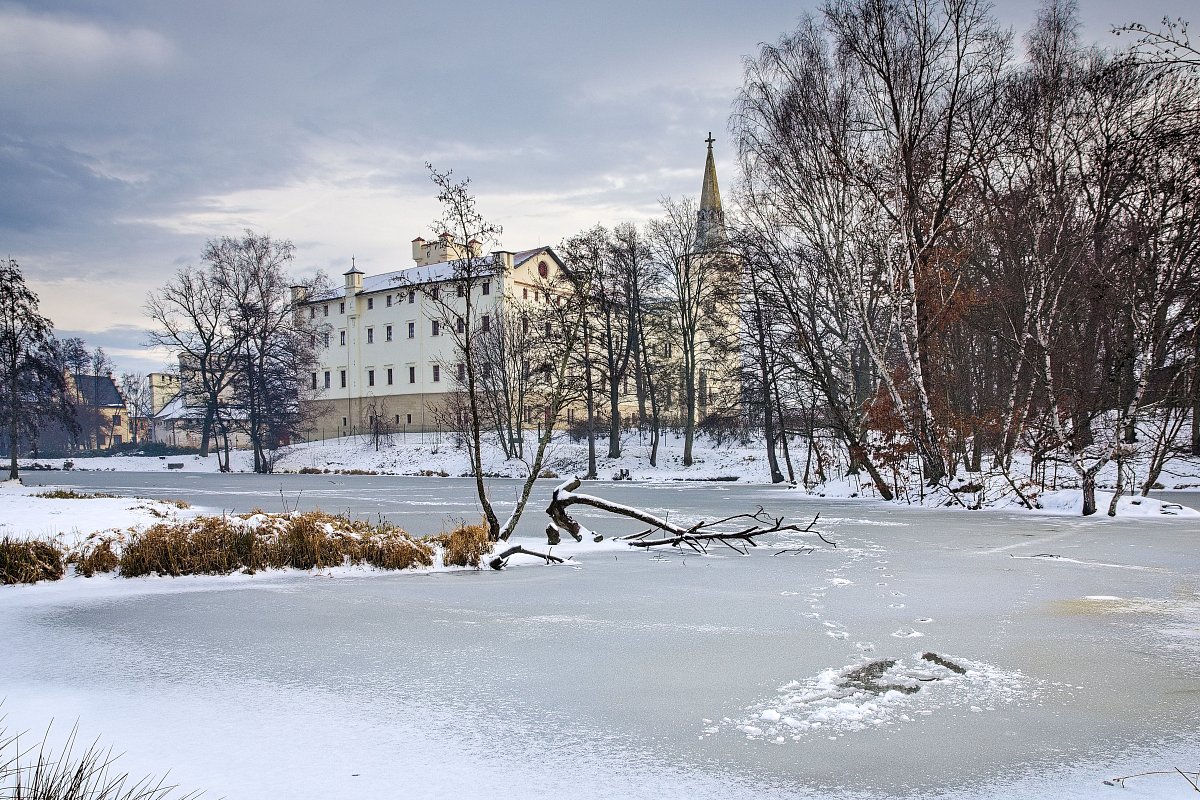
<point>697,536</point>
<point>501,559</point>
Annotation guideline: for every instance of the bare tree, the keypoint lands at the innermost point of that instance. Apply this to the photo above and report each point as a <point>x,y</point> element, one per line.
<point>702,280</point>
<point>191,316</point>
<point>275,346</point>
<point>135,388</point>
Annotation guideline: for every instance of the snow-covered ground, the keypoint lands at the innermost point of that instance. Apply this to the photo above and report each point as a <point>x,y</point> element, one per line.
<point>25,513</point>
<point>630,674</point>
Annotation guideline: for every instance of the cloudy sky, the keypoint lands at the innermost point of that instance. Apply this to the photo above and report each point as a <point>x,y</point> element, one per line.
<point>132,131</point>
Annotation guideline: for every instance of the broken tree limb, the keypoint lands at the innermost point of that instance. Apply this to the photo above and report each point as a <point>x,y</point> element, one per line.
<point>662,532</point>
<point>501,559</point>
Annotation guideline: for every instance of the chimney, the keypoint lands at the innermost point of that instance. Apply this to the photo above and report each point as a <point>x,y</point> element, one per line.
<point>417,245</point>
<point>504,259</point>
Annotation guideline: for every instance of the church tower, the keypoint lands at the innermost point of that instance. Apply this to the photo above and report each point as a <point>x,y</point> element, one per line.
<point>710,219</point>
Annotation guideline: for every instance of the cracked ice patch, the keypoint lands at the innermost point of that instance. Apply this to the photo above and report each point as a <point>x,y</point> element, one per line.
<point>877,693</point>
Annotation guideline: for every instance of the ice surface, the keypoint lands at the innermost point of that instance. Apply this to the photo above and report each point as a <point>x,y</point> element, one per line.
<point>635,674</point>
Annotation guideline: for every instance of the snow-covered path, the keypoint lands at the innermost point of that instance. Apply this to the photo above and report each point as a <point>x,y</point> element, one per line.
<point>644,675</point>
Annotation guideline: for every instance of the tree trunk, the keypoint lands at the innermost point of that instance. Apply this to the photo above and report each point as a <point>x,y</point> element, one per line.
<point>1089,494</point>
<point>13,473</point>
<point>614,417</point>
<point>1112,506</point>
<point>1196,396</point>
<point>689,388</point>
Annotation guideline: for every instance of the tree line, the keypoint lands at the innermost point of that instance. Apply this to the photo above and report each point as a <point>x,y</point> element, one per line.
<point>953,254</point>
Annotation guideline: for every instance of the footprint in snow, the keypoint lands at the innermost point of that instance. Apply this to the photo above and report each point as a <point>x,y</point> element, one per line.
<point>908,633</point>
<point>866,647</point>
<point>896,605</point>
<point>923,620</point>
<point>839,634</point>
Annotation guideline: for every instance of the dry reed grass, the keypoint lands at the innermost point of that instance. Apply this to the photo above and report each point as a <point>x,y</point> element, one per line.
<point>26,774</point>
<point>94,555</point>
<point>465,546</point>
<point>242,543</point>
<point>253,542</point>
<point>71,494</point>
<point>29,561</point>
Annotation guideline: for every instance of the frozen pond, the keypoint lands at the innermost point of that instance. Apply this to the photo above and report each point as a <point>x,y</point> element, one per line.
<point>635,674</point>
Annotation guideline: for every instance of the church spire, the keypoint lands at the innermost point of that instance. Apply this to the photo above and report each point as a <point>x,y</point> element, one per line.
<point>710,219</point>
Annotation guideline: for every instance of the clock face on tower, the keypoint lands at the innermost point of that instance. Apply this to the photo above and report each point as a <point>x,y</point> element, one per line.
<point>543,269</point>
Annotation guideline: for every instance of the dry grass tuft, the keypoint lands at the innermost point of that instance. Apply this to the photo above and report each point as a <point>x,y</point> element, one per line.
<point>94,555</point>
<point>29,561</point>
<point>26,774</point>
<point>465,546</point>
<point>71,494</point>
<point>392,548</point>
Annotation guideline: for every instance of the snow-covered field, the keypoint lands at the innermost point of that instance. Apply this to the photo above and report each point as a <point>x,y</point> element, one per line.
<point>26,513</point>
<point>1067,655</point>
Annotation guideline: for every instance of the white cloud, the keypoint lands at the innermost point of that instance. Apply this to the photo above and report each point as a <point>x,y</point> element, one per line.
<point>40,48</point>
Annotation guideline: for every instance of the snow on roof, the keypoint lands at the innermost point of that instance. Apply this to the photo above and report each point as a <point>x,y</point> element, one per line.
<point>417,276</point>
<point>176,408</point>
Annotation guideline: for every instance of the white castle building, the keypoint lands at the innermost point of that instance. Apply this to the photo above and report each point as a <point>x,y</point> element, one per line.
<point>386,353</point>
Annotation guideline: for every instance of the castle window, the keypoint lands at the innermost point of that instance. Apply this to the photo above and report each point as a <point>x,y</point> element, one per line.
<point>370,377</point>
<point>486,323</point>
<point>543,269</point>
<point>487,287</point>
<point>412,297</point>
<point>370,336</point>
<point>389,333</point>
<point>412,330</point>
<point>326,379</point>
<point>436,328</point>
<point>342,307</point>
<point>390,382</point>
<point>314,380</point>
<point>343,338</point>
<point>437,373</point>
<point>343,378</point>
<point>370,303</point>
<point>389,301</point>
<point>412,374</point>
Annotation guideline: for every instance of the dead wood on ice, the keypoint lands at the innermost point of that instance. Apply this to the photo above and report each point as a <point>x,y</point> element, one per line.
<point>501,559</point>
<point>745,527</point>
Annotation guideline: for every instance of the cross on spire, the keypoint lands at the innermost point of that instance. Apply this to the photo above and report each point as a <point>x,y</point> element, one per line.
<point>710,140</point>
